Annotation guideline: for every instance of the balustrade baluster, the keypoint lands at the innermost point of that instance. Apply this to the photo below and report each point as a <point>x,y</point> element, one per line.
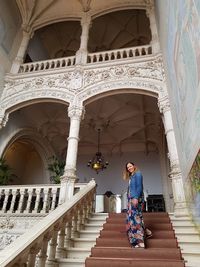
<point>42,257</point>
<point>6,192</point>
<point>45,200</point>
<point>52,248</point>
<point>61,251</point>
<point>79,221</point>
<point>84,217</point>
<point>14,194</point>
<point>68,242</point>
<point>30,195</point>
<point>32,257</point>
<point>21,201</point>
<point>53,202</point>
<point>37,200</point>
<point>74,226</point>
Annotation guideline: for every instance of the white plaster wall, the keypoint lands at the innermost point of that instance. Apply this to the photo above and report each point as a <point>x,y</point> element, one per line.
<point>179,32</point>
<point>111,178</point>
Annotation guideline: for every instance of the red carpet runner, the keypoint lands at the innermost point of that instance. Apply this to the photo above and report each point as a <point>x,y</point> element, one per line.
<point>113,249</point>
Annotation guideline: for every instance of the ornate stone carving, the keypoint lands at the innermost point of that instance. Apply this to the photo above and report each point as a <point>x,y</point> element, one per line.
<point>82,82</point>
<point>163,104</point>
<point>6,223</point>
<point>6,239</point>
<point>76,111</point>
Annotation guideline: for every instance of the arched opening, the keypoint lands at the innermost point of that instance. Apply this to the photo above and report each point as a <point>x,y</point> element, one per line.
<point>33,135</point>
<point>61,39</point>
<point>132,130</point>
<point>25,162</point>
<point>119,29</point>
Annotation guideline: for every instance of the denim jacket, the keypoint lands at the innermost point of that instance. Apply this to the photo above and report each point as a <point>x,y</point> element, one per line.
<point>136,185</point>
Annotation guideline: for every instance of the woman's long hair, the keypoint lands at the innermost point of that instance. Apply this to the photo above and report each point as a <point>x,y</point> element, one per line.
<point>126,173</point>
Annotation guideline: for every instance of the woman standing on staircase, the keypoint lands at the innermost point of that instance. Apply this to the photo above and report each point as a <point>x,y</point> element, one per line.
<point>135,197</point>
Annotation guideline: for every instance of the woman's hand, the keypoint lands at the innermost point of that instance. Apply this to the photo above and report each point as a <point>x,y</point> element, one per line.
<point>134,202</point>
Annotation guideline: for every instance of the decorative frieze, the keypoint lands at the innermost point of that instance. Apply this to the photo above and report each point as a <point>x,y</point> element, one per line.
<point>82,82</point>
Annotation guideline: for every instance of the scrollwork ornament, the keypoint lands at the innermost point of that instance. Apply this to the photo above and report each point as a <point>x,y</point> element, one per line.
<point>76,111</point>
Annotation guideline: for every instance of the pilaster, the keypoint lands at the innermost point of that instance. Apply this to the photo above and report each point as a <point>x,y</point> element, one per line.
<point>180,207</point>
<point>26,35</point>
<point>150,12</point>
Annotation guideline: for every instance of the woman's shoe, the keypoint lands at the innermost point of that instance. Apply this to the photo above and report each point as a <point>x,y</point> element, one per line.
<point>140,245</point>
<point>148,233</point>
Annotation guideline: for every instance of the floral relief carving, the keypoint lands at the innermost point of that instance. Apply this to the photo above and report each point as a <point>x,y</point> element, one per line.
<point>6,223</point>
<point>79,80</point>
<point>7,239</point>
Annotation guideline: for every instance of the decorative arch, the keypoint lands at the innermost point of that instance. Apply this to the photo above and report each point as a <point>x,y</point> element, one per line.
<point>40,144</point>
<point>105,87</point>
<point>44,148</point>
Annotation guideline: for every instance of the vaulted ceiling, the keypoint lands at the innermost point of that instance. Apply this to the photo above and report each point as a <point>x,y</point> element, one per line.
<point>128,122</point>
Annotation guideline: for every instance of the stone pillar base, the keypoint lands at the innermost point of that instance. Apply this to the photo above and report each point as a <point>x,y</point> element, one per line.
<point>181,210</point>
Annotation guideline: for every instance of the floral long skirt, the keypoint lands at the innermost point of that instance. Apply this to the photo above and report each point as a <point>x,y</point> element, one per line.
<point>135,224</point>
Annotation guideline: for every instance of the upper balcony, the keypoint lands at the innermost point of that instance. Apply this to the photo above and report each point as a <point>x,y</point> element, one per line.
<point>115,37</point>
<point>98,59</point>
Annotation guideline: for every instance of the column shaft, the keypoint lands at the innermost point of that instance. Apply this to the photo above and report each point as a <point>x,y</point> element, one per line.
<point>21,52</point>
<point>81,55</point>
<point>180,207</point>
<point>68,179</point>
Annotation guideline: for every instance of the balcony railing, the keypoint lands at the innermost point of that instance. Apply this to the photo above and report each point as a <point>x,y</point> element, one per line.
<point>117,54</point>
<point>31,198</point>
<point>99,57</point>
<point>45,65</point>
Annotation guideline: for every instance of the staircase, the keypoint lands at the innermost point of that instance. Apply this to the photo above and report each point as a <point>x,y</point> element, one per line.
<point>188,239</point>
<point>113,248</point>
<point>81,245</point>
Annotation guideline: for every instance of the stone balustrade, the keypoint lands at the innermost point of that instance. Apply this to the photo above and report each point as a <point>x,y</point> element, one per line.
<point>31,198</point>
<point>50,238</point>
<point>117,54</point>
<point>45,65</point>
<point>99,57</point>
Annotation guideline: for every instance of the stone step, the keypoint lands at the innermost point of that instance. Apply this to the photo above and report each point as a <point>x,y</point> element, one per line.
<point>62,262</point>
<point>96,220</point>
<point>78,253</point>
<point>99,215</point>
<point>89,234</point>
<point>93,227</point>
<point>83,242</point>
<point>182,223</point>
<point>188,240</point>
<point>184,237</point>
<point>186,230</point>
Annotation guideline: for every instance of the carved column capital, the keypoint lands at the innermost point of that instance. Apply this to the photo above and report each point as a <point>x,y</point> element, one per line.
<point>163,104</point>
<point>3,119</point>
<point>76,112</point>
<point>86,19</point>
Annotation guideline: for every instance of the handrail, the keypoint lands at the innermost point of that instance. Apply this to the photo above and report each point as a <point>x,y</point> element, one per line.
<point>18,199</point>
<point>34,242</point>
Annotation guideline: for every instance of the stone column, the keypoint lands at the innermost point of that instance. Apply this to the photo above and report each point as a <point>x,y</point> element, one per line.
<point>81,55</point>
<point>150,12</point>
<point>180,207</point>
<point>69,177</point>
<point>21,52</point>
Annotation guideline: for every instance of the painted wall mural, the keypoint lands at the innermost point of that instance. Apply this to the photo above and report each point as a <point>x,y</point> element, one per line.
<point>183,62</point>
